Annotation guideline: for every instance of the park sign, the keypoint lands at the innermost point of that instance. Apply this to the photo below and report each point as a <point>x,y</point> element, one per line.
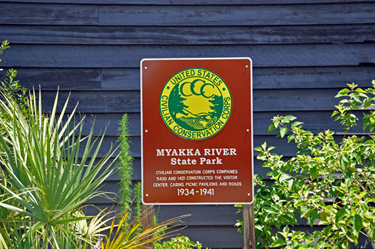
<point>196,128</point>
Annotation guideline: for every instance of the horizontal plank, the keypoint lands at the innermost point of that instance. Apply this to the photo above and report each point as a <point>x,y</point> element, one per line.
<point>314,77</point>
<point>294,100</point>
<point>201,215</point>
<point>48,14</point>
<point>110,123</point>
<point>251,2</point>
<point>51,79</point>
<point>184,2</point>
<point>129,101</point>
<point>111,142</point>
<point>94,102</point>
<point>124,2</point>
<point>82,56</point>
<point>227,35</point>
<point>195,15</point>
<point>129,79</point>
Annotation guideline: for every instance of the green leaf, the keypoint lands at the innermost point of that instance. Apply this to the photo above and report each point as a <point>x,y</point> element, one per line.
<point>313,216</point>
<point>283,131</point>
<point>291,138</point>
<point>288,118</point>
<point>360,90</point>
<point>270,148</point>
<point>305,210</point>
<point>277,223</point>
<point>284,177</point>
<point>271,127</point>
<point>286,230</point>
<point>258,149</point>
<point>297,123</point>
<point>264,145</point>
<point>314,172</point>
<point>278,242</point>
<point>357,221</point>
<point>335,113</point>
<point>326,230</point>
<point>340,213</point>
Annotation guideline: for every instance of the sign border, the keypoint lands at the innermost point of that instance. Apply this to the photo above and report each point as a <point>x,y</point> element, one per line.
<point>251,121</point>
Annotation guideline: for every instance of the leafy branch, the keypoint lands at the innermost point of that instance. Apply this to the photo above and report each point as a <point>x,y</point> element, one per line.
<point>328,182</point>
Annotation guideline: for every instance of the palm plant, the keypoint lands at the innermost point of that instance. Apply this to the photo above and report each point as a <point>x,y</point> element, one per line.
<point>127,237</point>
<point>48,172</point>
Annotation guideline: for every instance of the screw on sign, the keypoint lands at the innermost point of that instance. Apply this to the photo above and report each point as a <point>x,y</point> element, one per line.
<point>197,131</point>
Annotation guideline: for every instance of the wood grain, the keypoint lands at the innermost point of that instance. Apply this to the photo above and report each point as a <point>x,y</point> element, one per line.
<point>183,2</point>
<point>75,56</point>
<point>189,15</point>
<point>220,35</point>
<point>48,14</point>
<point>195,15</point>
<point>129,79</point>
<point>94,102</point>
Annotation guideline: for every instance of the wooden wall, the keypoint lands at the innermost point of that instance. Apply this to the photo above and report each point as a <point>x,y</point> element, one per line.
<point>303,53</point>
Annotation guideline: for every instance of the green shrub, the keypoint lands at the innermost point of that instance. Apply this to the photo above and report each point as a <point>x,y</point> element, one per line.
<point>181,242</point>
<point>48,171</point>
<point>330,181</point>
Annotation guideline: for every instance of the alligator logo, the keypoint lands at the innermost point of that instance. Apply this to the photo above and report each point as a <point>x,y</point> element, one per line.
<point>195,103</point>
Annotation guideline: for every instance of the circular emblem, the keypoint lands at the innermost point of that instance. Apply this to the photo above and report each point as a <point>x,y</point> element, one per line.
<point>195,103</point>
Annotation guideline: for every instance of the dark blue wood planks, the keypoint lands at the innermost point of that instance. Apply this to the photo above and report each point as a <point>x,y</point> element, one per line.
<point>75,56</point>
<point>123,35</point>
<point>48,14</point>
<point>183,2</point>
<point>234,15</point>
<point>127,79</point>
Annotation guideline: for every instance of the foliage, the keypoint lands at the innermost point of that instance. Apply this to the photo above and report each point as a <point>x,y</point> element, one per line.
<point>125,169</point>
<point>180,242</point>
<point>4,45</point>
<point>48,173</point>
<point>329,182</point>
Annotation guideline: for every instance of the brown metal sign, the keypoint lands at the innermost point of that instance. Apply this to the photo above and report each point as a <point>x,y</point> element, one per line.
<point>197,131</point>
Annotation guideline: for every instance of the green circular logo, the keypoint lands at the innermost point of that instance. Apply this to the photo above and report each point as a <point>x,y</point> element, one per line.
<point>195,103</point>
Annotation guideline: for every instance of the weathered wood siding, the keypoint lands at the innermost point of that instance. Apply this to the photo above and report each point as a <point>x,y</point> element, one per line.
<point>303,53</point>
